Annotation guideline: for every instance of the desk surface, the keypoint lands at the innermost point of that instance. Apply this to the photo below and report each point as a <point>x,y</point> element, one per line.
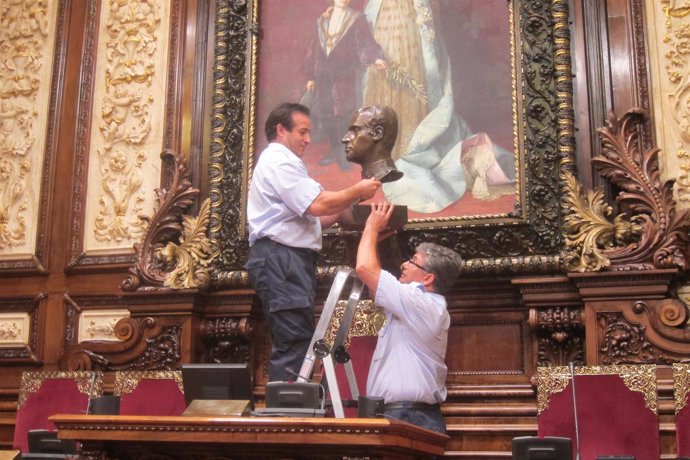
<point>249,437</point>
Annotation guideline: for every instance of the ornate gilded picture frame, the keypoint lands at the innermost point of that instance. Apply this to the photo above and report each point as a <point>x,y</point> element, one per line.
<point>516,228</point>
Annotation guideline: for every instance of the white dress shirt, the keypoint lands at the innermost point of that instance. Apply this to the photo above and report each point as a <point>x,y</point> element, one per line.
<point>279,195</point>
<point>408,363</point>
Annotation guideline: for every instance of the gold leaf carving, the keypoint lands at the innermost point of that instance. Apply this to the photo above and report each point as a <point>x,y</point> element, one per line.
<point>192,257</point>
<point>650,232</point>
<point>681,385</point>
<point>127,381</point>
<point>640,378</point>
<point>587,229</point>
<point>367,321</point>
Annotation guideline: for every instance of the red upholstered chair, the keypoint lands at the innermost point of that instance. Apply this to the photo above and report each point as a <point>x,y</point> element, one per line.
<point>360,345</point>
<point>42,394</point>
<point>681,387</point>
<point>616,409</point>
<point>150,392</point>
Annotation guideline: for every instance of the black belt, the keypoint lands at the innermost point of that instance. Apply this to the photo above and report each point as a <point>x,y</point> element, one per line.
<point>409,405</point>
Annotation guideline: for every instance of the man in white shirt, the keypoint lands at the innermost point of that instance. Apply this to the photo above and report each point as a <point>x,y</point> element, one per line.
<point>286,212</point>
<point>408,368</point>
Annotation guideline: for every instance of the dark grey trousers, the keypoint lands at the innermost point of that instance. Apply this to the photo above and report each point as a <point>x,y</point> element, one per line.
<point>284,279</point>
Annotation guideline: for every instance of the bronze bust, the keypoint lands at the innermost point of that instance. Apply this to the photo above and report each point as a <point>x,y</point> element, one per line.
<point>369,141</point>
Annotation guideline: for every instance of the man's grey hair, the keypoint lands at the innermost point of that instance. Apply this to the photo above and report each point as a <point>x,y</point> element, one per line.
<point>443,263</point>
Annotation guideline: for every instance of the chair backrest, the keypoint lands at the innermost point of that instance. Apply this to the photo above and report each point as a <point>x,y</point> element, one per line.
<point>360,345</point>
<point>150,392</point>
<point>616,409</point>
<point>42,394</point>
<point>681,387</point>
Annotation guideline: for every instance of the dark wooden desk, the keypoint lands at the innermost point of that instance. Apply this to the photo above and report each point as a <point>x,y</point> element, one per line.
<point>142,437</point>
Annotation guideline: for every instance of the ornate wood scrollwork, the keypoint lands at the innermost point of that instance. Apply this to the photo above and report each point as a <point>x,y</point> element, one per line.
<point>175,252</point>
<point>228,339</point>
<point>626,343</point>
<point>146,344</point>
<point>559,334</point>
<point>650,233</point>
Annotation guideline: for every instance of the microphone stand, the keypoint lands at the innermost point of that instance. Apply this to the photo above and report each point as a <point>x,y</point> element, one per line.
<point>577,430</point>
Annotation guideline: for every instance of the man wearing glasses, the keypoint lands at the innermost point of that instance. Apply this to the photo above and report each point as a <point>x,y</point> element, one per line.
<point>408,368</point>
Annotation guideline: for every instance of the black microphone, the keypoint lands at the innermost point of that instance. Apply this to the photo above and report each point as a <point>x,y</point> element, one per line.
<point>577,431</point>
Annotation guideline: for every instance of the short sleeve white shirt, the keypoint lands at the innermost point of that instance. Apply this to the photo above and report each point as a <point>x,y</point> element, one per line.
<point>409,360</point>
<point>279,195</point>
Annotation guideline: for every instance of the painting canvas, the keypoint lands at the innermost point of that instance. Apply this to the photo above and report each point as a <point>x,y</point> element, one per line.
<point>444,66</point>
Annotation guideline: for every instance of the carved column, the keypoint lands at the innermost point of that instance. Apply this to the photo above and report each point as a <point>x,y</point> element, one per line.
<point>555,318</point>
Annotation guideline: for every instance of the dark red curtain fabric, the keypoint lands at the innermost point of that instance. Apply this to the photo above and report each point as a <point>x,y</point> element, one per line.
<point>54,396</point>
<point>612,419</point>
<point>153,397</point>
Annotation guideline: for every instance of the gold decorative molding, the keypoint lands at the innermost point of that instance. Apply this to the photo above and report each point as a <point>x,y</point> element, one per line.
<point>127,381</point>
<point>681,385</point>
<point>367,320</point>
<point>88,382</point>
<point>640,378</point>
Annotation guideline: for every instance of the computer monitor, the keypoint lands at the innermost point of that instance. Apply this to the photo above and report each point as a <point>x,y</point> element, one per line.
<point>216,381</point>
<point>547,448</point>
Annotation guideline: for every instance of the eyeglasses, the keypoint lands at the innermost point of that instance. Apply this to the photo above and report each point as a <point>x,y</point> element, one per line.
<point>411,261</point>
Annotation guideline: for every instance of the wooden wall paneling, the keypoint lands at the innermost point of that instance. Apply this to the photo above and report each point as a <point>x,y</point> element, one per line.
<point>592,82</point>
<point>14,350</point>
<point>157,336</point>
<point>489,358</point>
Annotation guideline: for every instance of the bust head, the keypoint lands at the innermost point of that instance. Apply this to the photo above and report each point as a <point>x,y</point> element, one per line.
<point>370,139</point>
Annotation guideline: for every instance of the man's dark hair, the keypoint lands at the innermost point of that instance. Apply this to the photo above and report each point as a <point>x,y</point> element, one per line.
<point>282,115</point>
<point>443,263</point>
<point>385,117</point>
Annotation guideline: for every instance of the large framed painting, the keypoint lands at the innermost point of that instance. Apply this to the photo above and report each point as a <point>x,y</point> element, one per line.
<point>483,94</point>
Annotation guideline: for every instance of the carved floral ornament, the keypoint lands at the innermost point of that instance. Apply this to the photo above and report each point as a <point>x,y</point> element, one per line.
<point>649,233</point>
<point>132,38</point>
<point>676,60</point>
<point>24,40</point>
<point>641,378</point>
